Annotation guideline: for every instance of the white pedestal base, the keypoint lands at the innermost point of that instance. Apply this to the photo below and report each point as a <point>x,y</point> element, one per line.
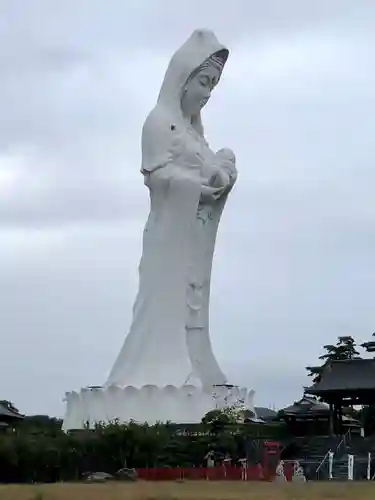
<point>186,404</point>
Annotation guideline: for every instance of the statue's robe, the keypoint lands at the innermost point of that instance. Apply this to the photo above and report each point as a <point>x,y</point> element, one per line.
<point>168,342</point>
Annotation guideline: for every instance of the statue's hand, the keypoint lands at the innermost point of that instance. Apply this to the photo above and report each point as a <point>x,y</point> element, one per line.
<point>227,161</point>
<point>219,179</point>
<point>215,176</point>
<point>209,193</point>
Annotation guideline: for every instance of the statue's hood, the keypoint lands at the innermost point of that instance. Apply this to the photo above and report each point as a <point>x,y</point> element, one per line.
<point>201,45</point>
<point>158,130</point>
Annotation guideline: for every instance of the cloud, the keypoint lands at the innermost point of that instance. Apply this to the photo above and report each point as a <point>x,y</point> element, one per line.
<point>294,259</point>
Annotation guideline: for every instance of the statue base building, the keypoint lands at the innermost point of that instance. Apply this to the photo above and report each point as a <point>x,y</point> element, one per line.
<point>151,404</point>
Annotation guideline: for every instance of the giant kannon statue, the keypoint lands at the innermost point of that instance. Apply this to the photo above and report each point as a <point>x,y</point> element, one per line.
<point>167,354</point>
<point>169,341</point>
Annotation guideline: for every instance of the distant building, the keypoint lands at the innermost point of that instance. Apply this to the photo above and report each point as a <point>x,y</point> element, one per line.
<point>8,416</point>
<point>265,414</point>
<point>309,416</point>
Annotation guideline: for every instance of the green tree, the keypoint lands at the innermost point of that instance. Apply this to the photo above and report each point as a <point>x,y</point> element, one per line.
<point>219,418</point>
<point>367,416</point>
<point>40,451</point>
<point>345,348</point>
<point>40,424</point>
<point>315,372</point>
<point>369,346</point>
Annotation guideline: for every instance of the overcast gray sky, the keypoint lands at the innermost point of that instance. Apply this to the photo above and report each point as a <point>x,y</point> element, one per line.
<point>294,265</point>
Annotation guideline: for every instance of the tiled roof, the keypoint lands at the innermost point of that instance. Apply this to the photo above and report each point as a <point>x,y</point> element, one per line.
<point>5,412</point>
<point>305,406</point>
<point>347,375</point>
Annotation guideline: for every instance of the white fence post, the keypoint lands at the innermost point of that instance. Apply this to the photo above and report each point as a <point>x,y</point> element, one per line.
<point>243,469</point>
<point>350,467</point>
<point>369,466</point>
<point>330,464</point>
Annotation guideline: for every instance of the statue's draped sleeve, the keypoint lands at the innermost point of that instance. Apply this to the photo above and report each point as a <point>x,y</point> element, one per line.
<point>161,142</point>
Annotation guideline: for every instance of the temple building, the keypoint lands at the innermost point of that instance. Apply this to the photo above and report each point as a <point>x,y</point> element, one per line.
<point>344,384</point>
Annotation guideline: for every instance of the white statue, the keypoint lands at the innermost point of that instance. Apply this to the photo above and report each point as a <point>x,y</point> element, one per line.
<point>166,369</point>
<point>169,341</point>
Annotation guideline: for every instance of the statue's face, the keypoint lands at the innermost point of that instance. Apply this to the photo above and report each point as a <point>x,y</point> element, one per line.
<point>198,90</point>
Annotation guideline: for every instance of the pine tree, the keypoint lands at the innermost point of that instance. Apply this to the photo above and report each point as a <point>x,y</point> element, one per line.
<point>345,348</point>
<point>369,346</point>
<point>315,372</point>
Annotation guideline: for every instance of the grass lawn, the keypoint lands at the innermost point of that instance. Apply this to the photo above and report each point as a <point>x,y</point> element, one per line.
<point>193,490</point>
